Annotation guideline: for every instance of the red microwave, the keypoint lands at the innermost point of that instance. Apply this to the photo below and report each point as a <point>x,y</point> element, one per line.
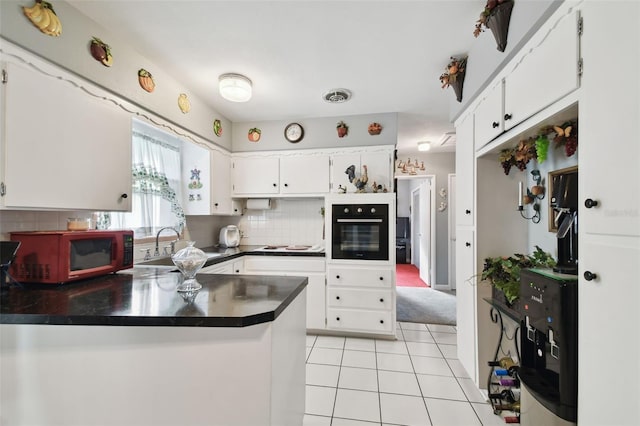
<point>55,257</point>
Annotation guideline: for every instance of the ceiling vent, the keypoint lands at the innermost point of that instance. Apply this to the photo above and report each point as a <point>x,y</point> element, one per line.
<point>337,96</point>
<point>447,139</point>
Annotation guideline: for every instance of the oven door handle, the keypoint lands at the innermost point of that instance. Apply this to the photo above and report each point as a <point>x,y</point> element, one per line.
<point>359,220</point>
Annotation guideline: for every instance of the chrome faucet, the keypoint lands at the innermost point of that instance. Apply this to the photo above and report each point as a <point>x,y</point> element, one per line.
<point>157,251</point>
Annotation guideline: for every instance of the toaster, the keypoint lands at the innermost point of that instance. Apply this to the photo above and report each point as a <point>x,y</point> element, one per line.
<point>229,236</point>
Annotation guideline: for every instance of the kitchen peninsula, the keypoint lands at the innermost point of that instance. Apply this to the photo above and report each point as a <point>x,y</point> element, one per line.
<point>128,349</point>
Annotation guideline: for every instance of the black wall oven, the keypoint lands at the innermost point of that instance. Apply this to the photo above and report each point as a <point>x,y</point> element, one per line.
<point>360,231</point>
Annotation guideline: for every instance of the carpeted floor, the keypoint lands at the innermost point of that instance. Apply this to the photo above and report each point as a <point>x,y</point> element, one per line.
<point>425,305</point>
<point>408,275</point>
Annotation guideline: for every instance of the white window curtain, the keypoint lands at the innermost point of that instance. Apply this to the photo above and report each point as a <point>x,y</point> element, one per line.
<point>156,187</point>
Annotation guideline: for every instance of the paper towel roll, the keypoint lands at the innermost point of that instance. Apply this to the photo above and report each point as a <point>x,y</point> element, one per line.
<point>258,204</point>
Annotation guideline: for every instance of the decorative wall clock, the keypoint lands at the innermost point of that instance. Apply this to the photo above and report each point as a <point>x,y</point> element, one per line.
<point>294,132</point>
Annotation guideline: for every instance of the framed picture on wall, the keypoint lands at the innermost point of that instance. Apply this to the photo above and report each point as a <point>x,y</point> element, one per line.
<point>561,181</point>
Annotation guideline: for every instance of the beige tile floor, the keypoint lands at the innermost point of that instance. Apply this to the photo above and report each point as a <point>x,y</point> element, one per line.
<point>415,380</point>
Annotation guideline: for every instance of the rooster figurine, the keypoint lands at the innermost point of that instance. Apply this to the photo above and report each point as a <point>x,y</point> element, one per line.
<point>361,182</point>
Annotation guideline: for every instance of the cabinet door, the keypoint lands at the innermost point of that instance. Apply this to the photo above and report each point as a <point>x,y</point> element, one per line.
<point>547,71</point>
<point>488,121</point>
<point>466,300</point>
<point>316,315</point>
<point>608,318</point>
<point>196,179</point>
<point>339,165</point>
<point>64,149</point>
<point>465,171</point>
<point>307,174</point>
<point>255,176</point>
<point>608,156</point>
<point>220,183</point>
<point>379,168</point>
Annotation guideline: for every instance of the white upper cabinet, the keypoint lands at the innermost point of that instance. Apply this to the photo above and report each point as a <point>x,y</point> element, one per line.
<point>255,175</point>
<point>547,70</point>
<point>379,170</point>
<point>66,144</point>
<point>280,174</point>
<point>221,202</point>
<point>195,179</point>
<point>307,174</point>
<point>465,171</point>
<point>489,121</point>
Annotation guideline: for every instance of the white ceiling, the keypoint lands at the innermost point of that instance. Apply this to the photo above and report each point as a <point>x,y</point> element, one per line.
<point>389,54</point>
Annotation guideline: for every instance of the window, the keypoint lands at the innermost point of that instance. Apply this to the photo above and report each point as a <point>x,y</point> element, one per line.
<point>156,184</point>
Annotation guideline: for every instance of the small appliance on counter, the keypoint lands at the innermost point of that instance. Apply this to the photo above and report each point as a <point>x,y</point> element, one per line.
<point>56,257</point>
<point>229,236</point>
<point>565,203</point>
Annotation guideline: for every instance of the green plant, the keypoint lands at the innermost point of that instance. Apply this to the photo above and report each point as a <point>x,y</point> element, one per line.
<point>504,272</point>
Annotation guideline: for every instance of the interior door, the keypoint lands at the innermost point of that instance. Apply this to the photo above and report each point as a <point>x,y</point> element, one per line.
<point>416,225</point>
<point>425,232</point>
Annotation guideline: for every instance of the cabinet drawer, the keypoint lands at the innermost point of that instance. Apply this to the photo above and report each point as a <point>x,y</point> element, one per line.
<point>356,298</point>
<point>360,320</point>
<point>360,276</point>
<point>284,264</point>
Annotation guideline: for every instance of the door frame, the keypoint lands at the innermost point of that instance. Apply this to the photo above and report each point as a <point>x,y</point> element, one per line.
<point>432,228</point>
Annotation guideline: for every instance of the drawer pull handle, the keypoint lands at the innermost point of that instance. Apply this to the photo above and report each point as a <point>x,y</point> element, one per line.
<point>381,300</point>
<point>381,321</point>
<point>286,185</point>
<point>467,211</point>
<point>495,124</point>
<point>124,195</point>
<point>216,204</point>
<point>508,116</point>
<point>337,318</point>
<point>275,184</point>
<point>337,297</point>
<point>337,277</point>
<point>467,244</point>
<point>381,278</point>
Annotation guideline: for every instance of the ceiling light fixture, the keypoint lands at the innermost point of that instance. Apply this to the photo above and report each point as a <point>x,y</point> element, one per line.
<point>235,87</point>
<point>424,146</point>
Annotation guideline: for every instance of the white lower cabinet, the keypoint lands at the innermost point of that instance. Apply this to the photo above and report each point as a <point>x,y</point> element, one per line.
<point>311,267</point>
<point>361,299</point>
<point>235,266</point>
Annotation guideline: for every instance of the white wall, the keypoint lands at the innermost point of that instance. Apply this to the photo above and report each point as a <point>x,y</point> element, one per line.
<point>539,234</point>
<point>318,133</point>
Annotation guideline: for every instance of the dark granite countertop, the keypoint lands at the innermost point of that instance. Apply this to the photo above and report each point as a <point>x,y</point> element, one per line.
<point>144,296</point>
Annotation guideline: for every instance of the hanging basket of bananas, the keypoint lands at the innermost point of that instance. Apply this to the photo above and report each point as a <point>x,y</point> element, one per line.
<point>44,18</point>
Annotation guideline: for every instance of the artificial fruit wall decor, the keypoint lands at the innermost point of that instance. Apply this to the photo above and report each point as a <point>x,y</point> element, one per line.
<point>342,129</point>
<point>42,15</point>
<point>454,76</point>
<point>101,52</point>
<point>496,16</point>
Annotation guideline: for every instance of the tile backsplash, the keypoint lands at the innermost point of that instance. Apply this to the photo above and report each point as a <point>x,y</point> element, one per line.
<point>23,220</point>
<point>288,222</point>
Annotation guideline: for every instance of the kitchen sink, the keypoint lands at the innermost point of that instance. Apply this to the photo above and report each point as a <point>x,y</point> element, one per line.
<point>166,262</point>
